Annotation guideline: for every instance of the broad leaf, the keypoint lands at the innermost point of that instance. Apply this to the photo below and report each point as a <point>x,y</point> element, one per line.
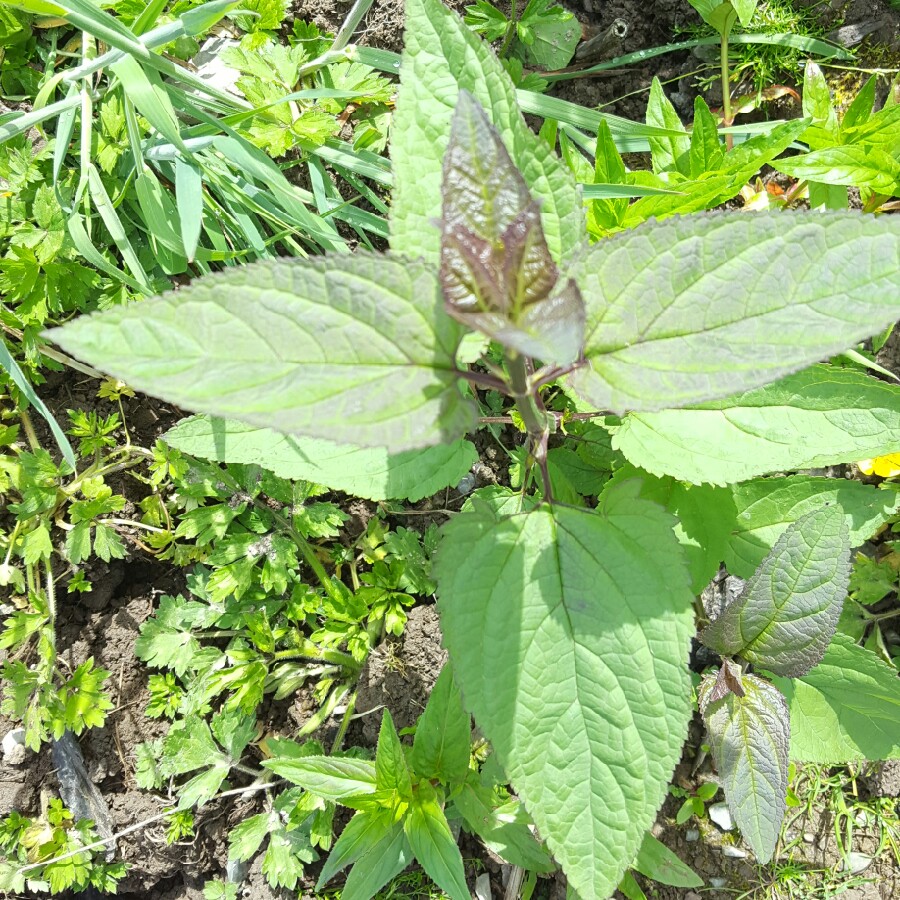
<point>351,348</point>
<point>786,616</point>
<point>707,152</point>
<point>704,515</point>
<point>369,472</point>
<point>442,55</point>
<point>430,839</point>
<point>671,153</point>
<point>570,647</point>
<point>857,165</point>
<point>442,744</point>
<point>821,416</point>
<point>749,737</point>
<point>387,858</point>
<point>497,274</point>
<point>657,862</point>
<point>329,777</point>
<point>391,770</point>
<point>511,841</point>
<point>718,14</point>
<point>729,312</point>
<point>847,708</point>
<point>766,506</point>
<point>361,834</point>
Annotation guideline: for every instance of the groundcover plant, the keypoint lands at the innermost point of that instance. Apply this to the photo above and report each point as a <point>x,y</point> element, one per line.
<point>697,341</point>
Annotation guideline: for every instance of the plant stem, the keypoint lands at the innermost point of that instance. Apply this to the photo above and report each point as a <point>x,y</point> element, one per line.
<point>726,90</point>
<point>345,724</point>
<point>536,421</point>
<point>28,427</point>
<point>510,28</point>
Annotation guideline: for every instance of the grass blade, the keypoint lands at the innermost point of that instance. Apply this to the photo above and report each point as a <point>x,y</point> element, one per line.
<point>189,200</point>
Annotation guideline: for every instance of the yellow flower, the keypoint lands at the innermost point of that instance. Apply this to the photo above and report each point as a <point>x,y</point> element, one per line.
<point>882,466</point>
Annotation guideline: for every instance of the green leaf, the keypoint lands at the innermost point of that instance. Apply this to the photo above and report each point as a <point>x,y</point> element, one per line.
<point>860,109</point>
<point>369,472</point>
<point>766,506</point>
<point>717,14</point>
<point>361,834</point>
<point>331,778</point>
<point>657,862</point>
<point>669,154</point>
<point>705,515</point>
<point>511,841</point>
<point>391,771</point>
<point>847,708</point>
<point>387,858</point>
<point>749,736</point>
<point>189,745</point>
<point>821,416</point>
<point>430,839</point>
<point>245,838</point>
<point>718,282</point>
<point>442,56</point>
<point>706,151</point>
<point>497,275</point>
<point>570,649</point>
<point>351,348</point>
<point>441,746</point>
<point>786,616</point>
<point>856,165</point>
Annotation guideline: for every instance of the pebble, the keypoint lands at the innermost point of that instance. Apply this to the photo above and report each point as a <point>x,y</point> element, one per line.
<point>467,485</point>
<point>692,895</point>
<point>692,834</point>
<point>856,863</point>
<point>734,852</point>
<point>13,747</point>
<point>721,815</point>
<point>809,837</point>
<point>718,882</point>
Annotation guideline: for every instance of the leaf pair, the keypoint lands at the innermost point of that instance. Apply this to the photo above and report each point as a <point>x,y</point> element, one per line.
<point>783,621</point>
<point>497,274</point>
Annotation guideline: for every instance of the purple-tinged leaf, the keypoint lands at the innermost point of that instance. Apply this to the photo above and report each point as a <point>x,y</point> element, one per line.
<point>497,273</point>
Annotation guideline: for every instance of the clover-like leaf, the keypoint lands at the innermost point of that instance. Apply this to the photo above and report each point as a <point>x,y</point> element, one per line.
<point>496,271</point>
<point>749,736</point>
<point>786,616</point>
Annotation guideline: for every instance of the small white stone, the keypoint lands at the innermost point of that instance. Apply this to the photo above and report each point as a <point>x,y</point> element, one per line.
<point>692,834</point>
<point>721,815</point>
<point>718,882</point>
<point>692,895</point>
<point>483,886</point>
<point>733,852</point>
<point>13,747</point>
<point>809,837</point>
<point>856,863</point>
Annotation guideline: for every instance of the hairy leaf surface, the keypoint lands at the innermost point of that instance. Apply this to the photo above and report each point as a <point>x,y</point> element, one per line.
<point>441,56</point>
<point>369,472</point>
<point>786,616</point>
<point>496,272</point>
<point>818,417</point>
<point>847,707</point>
<point>690,310</point>
<point>568,631</point>
<point>766,506</point>
<point>355,349</point>
<point>749,737</point>
<point>704,516</point>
